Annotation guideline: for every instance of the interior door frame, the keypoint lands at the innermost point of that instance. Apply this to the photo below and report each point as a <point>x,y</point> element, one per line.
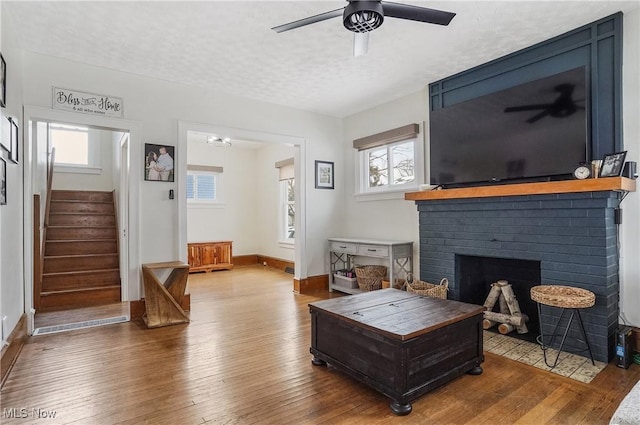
<point>130,288</point>
<point>184,127</point>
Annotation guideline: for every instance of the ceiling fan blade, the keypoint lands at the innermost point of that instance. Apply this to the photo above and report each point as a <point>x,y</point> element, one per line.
<point>309,20</point>
<point>416,13</point>
<point>527,107</point>
<point>360,43</point>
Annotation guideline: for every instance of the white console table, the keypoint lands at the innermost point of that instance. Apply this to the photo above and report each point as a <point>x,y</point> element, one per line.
<point>397,254</point>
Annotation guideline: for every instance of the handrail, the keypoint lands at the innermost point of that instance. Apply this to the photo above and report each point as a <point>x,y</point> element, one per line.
<point>50,163</point>
<point>38,282</point>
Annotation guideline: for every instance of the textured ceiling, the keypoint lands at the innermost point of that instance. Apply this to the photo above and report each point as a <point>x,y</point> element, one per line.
<point>229,46</point>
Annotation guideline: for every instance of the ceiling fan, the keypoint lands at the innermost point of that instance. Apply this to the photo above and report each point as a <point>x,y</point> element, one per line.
<point>563,106</point>
<point>361,17</point>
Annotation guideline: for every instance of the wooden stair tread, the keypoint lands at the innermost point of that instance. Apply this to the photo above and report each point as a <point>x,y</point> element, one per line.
<point>69,291</point>
<point>80,240</point>
<point>80,201</point>
<point>79,191</point>
<point>92,213</point>
<point>80,255</point>
<point>81,272</point>
<point>67,226</point>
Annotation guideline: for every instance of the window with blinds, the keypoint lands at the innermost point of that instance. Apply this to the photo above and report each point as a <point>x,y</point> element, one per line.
<point>201,186</point>
<point>388,161</point>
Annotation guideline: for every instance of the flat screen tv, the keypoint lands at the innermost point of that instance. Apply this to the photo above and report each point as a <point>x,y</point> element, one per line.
<point>533,131</point>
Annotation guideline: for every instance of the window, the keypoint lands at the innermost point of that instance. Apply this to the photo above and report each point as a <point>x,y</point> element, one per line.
<point>390,166</point>
<point>286,176</point>
<point>202,186</point>
<point>288,208</point>
<point>71,144</point>
<point>388,161</point>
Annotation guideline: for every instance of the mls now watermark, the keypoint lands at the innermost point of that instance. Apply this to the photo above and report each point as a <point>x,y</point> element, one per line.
<point>26,413</point>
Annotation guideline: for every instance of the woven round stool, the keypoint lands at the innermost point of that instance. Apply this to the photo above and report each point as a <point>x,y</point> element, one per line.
<point>566,298</point>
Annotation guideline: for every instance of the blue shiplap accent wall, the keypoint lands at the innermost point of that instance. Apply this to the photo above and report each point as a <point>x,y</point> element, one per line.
<point>573,236</point>
<point>597,46</point>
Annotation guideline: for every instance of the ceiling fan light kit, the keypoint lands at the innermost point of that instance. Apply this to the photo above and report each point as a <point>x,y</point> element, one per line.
<point>362,17</point>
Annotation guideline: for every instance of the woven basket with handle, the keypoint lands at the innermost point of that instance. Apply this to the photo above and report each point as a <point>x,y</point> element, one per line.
<point>429,289</point>
<point>370,277</point>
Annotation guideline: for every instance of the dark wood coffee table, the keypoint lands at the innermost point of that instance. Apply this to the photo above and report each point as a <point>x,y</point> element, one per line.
<point>400,344</point>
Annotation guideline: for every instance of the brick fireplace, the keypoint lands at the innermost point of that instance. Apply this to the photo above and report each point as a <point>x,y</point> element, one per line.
<point>562,233</point>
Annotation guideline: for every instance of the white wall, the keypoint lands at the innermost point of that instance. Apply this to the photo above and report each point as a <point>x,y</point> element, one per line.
<point>630,228</point>
<point>82,181</point>
<point>11,215</point>
<point>369,216</point>
<point>267,212</point>
<point>158,105</point>
<point>233,219</point>
<point>398,219</point>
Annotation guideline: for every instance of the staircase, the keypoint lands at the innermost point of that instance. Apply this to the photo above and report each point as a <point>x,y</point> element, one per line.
<point>81,262</point>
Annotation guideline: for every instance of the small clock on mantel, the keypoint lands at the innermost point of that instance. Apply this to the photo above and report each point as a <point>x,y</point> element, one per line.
<point>582,172</point>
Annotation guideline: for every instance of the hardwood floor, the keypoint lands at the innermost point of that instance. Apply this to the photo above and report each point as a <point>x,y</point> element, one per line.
<point>244,359</point>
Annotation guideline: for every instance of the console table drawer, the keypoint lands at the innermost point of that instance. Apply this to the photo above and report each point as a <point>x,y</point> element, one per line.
<point>373,250</point>
<point>349,248</point>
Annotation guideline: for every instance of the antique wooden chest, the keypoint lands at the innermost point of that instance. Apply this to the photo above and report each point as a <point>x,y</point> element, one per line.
<point>398,343</point>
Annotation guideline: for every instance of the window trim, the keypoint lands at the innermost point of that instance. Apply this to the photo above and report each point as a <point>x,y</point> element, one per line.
<point>362,171</point>
<point>398,135</point>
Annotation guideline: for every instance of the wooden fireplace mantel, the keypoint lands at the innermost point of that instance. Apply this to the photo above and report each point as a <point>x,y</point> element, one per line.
<point>619,184</point>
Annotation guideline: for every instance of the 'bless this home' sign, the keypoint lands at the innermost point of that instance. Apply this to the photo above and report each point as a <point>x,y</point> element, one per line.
<point>88,103</point>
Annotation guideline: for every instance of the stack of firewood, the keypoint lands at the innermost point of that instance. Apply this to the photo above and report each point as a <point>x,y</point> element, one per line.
<point>510,317</point>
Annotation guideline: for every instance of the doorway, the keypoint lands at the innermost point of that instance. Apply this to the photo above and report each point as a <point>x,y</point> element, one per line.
<point>298,150</point>
<point>124,159</point>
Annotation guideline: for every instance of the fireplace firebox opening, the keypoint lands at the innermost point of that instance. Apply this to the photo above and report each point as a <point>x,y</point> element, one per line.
<point>475,274</point>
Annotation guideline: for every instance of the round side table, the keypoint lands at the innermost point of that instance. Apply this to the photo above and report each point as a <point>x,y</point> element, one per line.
<point>566,298</point>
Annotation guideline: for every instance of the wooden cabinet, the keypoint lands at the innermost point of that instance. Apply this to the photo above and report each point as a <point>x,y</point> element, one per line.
<point>208,256</point>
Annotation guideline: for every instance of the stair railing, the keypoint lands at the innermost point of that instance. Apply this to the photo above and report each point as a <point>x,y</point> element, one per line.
<point>40,244</point>
<point>52,158</point>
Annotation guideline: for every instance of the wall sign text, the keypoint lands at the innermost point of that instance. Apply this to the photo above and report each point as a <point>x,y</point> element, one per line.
<point>87,103</point>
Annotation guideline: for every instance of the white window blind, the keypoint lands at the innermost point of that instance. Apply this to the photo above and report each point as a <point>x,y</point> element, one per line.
<point>202,183</point>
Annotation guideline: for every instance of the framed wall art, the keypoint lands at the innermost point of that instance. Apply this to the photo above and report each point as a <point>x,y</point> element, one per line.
<point>5,134</point>
<point>3,81</point>
<point>13,128</point>
<point>324,175</point>
<point>158,162</point>
<point>3,182</point>
<point>612,164</point>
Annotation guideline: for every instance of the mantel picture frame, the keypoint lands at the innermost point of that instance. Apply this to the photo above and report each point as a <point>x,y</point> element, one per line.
<point>324,175</point>
<point>612,164</point>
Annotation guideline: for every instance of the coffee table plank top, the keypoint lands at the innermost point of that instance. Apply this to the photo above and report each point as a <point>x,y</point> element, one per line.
<point>398,314</point>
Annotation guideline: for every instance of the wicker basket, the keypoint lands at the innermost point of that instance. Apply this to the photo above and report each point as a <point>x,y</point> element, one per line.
<point>429,289</point>
<point>370,277</point>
